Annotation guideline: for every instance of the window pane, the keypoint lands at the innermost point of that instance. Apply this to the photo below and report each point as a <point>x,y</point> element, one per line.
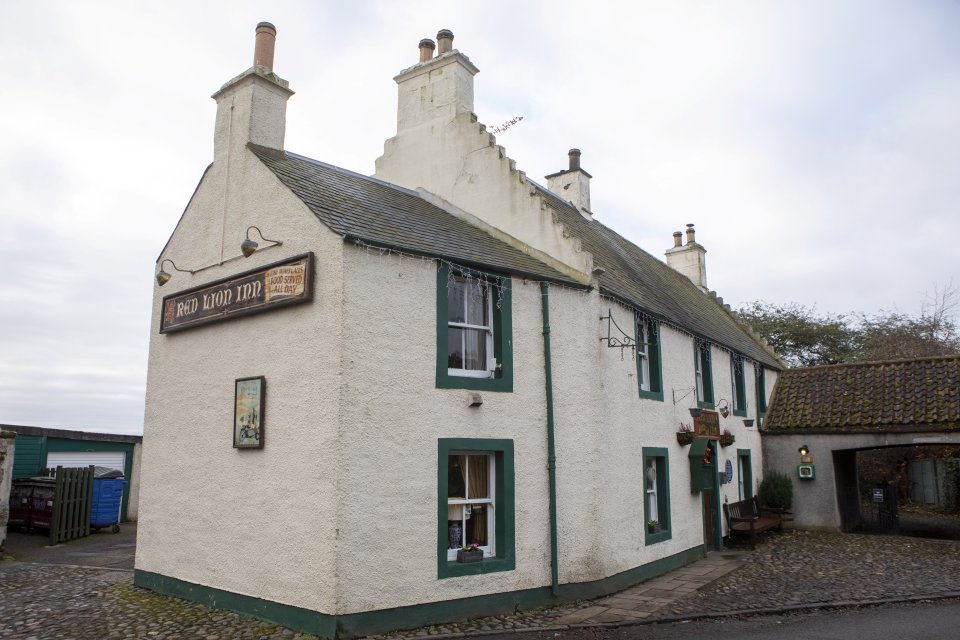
<point>456,478</point>
<point>454,348</point>
<point>476,532</point>
<point>479,485</point>
<point>455,299</point>
<point>476,295</point>
<point>475,355</point>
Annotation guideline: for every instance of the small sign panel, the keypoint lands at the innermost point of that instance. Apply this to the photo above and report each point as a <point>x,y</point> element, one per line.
<point>707,424</point>
<point>878,495</point>
<point>806,471</point>
<point>277,285</point>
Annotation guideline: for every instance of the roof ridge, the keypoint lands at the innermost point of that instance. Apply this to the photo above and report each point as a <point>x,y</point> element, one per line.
<point>876,363</point>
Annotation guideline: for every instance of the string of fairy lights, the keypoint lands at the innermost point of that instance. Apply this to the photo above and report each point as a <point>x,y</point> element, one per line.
<point>480,282</point>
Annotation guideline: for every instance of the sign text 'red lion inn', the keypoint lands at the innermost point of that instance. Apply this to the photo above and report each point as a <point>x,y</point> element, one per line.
<point>277,285</point>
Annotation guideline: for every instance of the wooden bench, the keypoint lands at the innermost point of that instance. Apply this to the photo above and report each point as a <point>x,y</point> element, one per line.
<point>746,517</point>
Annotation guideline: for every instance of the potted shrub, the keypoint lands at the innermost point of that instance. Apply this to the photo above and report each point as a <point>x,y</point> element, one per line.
<point>726,438</point>
<point>776,494</point>
<point>685,435</point>
<point>472,553</point>
<point>653,526</point>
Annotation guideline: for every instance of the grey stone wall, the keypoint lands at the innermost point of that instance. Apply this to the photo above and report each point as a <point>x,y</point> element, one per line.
<point>7,439</point>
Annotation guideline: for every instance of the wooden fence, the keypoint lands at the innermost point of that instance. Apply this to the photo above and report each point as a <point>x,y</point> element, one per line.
<point>72,502</point>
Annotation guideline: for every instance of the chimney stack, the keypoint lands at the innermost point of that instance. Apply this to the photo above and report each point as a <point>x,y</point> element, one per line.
<point>263,49</point>
<point>689,259</point>
<point>426,49</point>
<point>252,107</point>
<point>573,185</point>
<point>445,41</point>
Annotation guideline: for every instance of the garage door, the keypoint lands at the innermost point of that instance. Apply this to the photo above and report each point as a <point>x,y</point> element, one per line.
<point>109,459</point>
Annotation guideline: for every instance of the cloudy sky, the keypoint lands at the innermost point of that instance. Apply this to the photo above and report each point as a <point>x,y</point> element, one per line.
<point>816,145</point>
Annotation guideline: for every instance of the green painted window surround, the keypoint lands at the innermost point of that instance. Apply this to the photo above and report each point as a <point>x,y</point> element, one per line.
<point>504,525</point>
<point>745,469</point>
<point>739,385</point>
<point>761,384</point>
<point>663,496</point>
<point>703,364</point>
<point>502,335</point>
<point>654,361</point>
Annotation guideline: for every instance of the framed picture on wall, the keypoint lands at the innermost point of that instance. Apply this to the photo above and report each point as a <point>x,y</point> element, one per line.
<point>248,402</point>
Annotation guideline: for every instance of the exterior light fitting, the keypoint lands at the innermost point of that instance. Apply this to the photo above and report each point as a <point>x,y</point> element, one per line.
<point>723,407</point>
<point>163,277</point>
<point>804,450</point>
<point>248,246</point>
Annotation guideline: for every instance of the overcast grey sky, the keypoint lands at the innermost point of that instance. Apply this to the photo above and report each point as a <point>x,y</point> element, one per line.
<point>816,145</point>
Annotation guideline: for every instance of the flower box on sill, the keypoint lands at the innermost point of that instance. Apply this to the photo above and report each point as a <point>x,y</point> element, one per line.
<point>475,555</point>
<point>653,527</point>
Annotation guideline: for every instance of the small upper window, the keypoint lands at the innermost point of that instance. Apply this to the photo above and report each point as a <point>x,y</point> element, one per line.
<point>704,374</point>
<point>474,347</point>
<point>649,371</point>
<point>739,387</point>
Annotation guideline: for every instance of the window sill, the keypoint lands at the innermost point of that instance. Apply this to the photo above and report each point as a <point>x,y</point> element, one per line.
<point>454,569</point>
<point>705,405</point>
<point>740,413</point>
<point>448,381</point>
<point>654,538</point>
<point>651,395</point>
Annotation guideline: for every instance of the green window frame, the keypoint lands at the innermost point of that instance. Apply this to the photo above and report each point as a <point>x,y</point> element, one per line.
<point>761,384</point>
<point>501,326</point>
<point>660,460</point>
<point>738,381</point>
<point>504,558</point>
<point>703,372</point>
<point>649,362</point>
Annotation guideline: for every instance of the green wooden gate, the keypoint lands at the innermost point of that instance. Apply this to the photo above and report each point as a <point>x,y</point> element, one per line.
<point>72,502</point>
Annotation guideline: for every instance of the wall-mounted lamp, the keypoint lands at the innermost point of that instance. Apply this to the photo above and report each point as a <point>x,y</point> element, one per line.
<point>248,246</point>
<point>748,423</point>
<point>695,412</point>
<point>163,277</point>
<point>723,407</point>
<point>804,450</point>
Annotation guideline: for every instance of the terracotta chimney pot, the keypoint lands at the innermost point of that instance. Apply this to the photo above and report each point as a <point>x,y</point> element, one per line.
<point>690,234</point>
<point>445,41</point>
<point>426,49</point>
<point>574,155</point>
<point>263,49</point>
<point>677,238</point>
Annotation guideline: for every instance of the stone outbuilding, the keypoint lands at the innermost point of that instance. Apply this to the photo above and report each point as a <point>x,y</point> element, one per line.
<point>441,391</point>
<point>835,411</point>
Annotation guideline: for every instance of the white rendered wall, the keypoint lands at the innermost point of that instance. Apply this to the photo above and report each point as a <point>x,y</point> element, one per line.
<point>133,501</point>
<point>255,522</point>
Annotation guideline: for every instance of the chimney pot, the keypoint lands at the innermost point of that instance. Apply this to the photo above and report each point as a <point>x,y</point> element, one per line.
<point>690,234</point>
<point>574,155</point>
<point>263,49</point>
<point>445,41</point>
<point>426,49</point>
<point>677,238</point>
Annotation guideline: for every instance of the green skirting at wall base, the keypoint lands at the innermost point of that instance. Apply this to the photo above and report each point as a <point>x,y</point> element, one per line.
<point>371,622</point>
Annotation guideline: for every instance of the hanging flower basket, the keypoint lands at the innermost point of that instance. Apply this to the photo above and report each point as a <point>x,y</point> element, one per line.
<point>726,440</point>
<point>685,437</point>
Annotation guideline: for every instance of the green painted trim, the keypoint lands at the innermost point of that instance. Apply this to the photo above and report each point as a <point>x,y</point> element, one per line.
<point>656,362</point>
<point>551,441</point>
<point>502,336</point>
<point>298,618</point>
<point>706,366</point>
<point>739,386</point>
<point>695,456</point>
<point>663,496</point>
<point>505,508</point>
<point>747,479</point>
<point>63,445</point>
<point>383,620</point>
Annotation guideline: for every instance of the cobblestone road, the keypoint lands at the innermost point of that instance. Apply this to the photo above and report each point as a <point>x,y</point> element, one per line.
<point>49,601</point>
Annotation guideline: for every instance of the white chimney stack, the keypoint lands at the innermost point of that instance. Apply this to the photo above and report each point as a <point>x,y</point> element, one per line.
<point>690,258</point>
<point>573,185</point>
<point>253,106</point>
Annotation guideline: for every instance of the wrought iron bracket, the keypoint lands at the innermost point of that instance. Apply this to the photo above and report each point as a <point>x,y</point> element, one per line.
<point>614,341</point>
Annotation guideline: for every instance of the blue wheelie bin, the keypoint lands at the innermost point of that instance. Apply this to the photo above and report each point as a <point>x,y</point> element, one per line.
<point>107,499</point>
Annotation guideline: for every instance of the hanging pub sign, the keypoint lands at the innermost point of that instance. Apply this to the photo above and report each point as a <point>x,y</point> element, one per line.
<point>271,287</point>
<point>707,424</point>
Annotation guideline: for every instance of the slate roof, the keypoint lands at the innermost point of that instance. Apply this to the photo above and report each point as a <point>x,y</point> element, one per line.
<point>897,395</point>
<point>364,208</point>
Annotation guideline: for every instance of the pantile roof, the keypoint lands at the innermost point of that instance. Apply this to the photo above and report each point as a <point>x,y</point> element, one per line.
<point>897,395</point>
<point>364,208</point>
